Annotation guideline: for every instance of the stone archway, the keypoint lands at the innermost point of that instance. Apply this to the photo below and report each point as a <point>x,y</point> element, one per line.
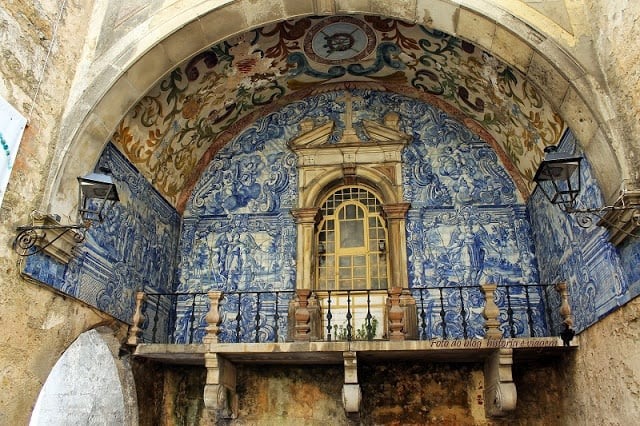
<point>122,75</point>
<point>89,383</point>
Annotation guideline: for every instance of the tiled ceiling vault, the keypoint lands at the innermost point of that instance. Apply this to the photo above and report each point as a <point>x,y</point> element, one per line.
<point>175,130</point>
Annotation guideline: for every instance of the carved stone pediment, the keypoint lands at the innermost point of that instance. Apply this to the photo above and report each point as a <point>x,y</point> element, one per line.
<point>389,131</point>
<point>312,137</point>
<point>383,148</point>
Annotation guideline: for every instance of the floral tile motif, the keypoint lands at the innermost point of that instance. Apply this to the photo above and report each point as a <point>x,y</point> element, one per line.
<point>172,133</point>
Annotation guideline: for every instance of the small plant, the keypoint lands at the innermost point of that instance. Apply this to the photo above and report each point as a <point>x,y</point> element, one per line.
<point>367,331</point>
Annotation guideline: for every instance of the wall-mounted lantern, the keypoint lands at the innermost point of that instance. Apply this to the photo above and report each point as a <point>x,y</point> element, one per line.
<point>97,194</point>
<point>559,178</point>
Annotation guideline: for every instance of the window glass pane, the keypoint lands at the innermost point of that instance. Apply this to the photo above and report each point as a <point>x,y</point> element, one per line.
<point>345,261</point>
<point>345,285</point>
<point>350,212</point>
<point>352,233</point>
<point>345,273</point>
<point>330,245</point>
<point>360,284</point>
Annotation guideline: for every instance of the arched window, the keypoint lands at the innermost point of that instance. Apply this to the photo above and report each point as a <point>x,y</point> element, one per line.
<point>352,238</point>
<point>351,242</point>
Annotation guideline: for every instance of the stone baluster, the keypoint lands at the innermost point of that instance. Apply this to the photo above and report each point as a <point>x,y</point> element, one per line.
<point>491,312</point>
<point>213,317</point>
<point>565,313</point>
<point>303,329</point>
<point>396,314</point>
<point>135,331</point>
<point>565,308</point>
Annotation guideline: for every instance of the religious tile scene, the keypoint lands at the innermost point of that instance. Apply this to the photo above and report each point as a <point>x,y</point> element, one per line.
<point>320,212</point>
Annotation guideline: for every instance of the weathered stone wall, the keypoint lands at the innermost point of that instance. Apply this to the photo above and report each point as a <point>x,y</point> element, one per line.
<point>169,394</point>
<point>617,26</point>
<point>149,381</point>
<point>602,379</point>
<point>37,324</point>
<point>417,393</point>
<point>41,47</point>
<point>408,392</point>
<point>290,395</point>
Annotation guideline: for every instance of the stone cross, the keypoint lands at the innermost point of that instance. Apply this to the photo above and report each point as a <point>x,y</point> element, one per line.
<point>349,134</point>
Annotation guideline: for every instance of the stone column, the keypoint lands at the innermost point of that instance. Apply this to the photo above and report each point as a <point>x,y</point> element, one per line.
<point>306,219</point>
<point>135,331</point>
<point>491,312</point>
<point>395,215</point>
<point>213,318</point>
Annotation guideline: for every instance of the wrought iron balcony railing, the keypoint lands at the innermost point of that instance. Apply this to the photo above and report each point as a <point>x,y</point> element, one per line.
<point>418,313</point>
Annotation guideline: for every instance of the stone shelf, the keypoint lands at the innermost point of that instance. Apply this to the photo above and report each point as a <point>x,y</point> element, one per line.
<point>463,350</point>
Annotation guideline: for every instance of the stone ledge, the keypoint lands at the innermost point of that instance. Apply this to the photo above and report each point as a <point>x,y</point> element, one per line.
<point>460,350</point>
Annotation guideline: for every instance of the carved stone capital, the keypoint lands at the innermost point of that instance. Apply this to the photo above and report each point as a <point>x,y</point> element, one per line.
<point>305,215</point>
<point>396,211</point>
